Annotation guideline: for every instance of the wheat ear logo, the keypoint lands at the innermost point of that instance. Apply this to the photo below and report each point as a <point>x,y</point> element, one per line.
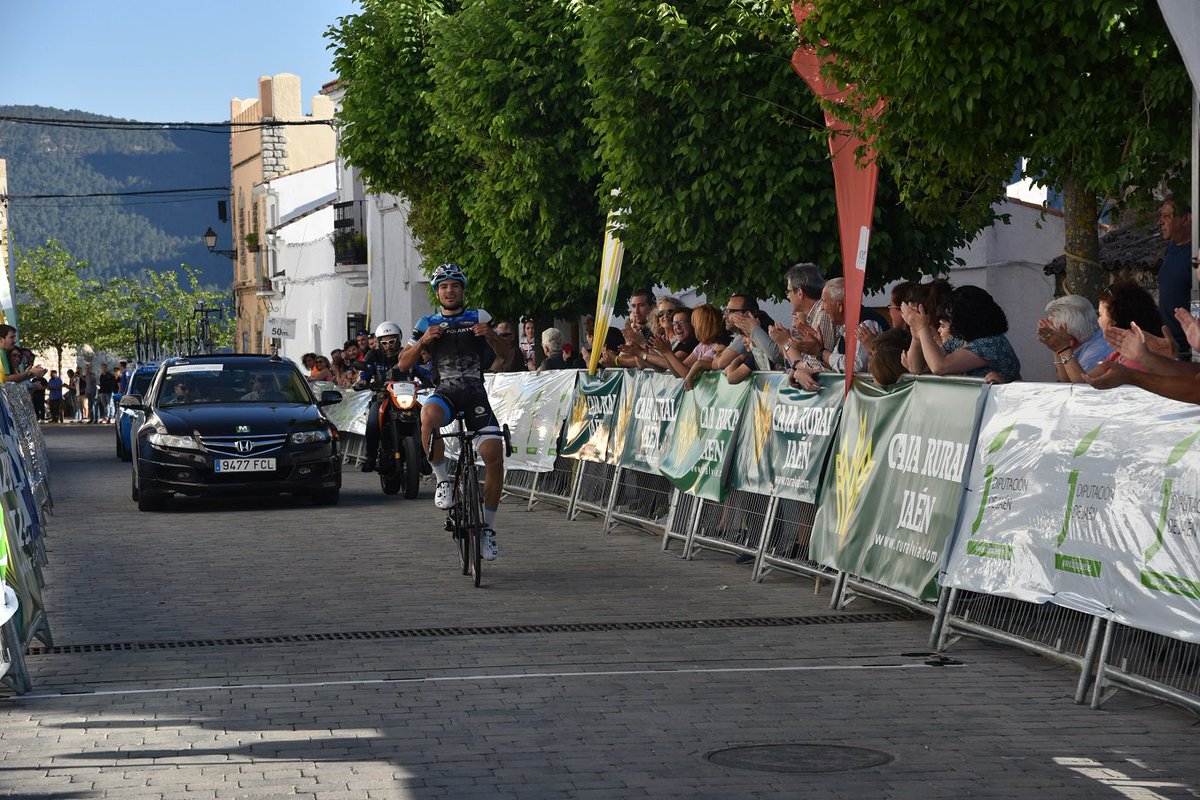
<point>996,444</point>
<point>851,471</point>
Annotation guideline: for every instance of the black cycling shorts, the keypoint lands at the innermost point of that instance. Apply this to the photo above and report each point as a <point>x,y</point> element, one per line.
<point>472,400</point>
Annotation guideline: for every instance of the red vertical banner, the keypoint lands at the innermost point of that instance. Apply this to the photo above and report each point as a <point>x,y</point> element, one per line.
<point>854,183</point>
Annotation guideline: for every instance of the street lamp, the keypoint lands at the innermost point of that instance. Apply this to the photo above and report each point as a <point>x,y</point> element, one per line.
<point>210,241</point>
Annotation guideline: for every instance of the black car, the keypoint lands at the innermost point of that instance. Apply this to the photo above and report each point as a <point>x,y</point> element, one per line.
<point>233,424</point>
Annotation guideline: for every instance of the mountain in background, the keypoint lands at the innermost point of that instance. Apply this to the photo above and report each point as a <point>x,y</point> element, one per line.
<point>117,235</point>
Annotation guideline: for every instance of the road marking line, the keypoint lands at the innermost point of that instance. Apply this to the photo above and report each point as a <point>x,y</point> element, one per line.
<point>504,676</point>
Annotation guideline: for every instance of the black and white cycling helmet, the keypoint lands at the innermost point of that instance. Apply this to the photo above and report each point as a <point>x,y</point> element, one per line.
<point>448,272</point>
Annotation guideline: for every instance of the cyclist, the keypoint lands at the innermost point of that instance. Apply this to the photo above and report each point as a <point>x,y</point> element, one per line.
<point>379,365</point>
<point>462,344</point>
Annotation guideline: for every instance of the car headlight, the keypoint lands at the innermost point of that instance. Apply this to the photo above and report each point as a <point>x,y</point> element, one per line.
<point>308,437</point>
<point>178,442</point>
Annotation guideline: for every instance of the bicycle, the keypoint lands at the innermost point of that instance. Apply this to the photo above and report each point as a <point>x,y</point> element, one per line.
<point>464,520</point>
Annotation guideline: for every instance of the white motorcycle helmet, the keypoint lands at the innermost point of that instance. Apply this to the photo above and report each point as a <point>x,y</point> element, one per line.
<point>386,329</point>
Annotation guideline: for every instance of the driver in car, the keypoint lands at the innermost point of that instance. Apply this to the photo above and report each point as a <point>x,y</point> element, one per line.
<point>258,389</point>
<point>182,393</point>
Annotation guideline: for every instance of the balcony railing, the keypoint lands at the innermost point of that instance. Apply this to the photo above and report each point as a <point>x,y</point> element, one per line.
<point>349,235</point>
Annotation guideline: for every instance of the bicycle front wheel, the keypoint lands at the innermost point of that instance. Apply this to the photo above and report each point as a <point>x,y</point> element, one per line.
<point>473,506</point>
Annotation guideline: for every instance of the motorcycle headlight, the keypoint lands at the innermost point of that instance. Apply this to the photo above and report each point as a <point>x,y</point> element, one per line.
<point>404,394</point>
<point>178,442</point>
<point>308,437</point>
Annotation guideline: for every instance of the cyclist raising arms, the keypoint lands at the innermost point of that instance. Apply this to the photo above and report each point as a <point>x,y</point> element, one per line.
<point>461,344</point>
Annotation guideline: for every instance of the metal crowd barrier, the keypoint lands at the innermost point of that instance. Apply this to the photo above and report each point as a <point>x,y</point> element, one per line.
<point>592,489</point>
<point>640,500</point>
<point>1054,632</point>
<point>785,545</point>
<point>1148,663</point>
<point>553,487</point>
<point>27,544</point>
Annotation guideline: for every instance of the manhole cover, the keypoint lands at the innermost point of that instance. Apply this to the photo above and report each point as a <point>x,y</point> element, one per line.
<point>800,757</point>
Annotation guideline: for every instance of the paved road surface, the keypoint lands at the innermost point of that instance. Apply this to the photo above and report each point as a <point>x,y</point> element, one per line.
<point>266,648</point>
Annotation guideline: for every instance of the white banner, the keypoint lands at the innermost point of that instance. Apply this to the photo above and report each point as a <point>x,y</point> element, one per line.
<point>1089,500</point>
<point>533,407</point>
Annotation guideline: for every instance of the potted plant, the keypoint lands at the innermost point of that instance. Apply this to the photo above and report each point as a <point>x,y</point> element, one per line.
<point>267,285</point>
<point>251,240</point>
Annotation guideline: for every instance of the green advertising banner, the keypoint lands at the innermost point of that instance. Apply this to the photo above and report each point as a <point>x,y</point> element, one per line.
<point>594,426</point>
<point>698,457</point>
<point>891,497</point>
<point>752,457</point>
<point>18,571</point>
<point>654,407</point>
<point>802,427</point>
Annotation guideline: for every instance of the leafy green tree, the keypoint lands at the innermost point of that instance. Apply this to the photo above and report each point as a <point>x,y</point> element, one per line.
<point>1092,93</point>
<point>507,126</point>
<point>161,300</point>
<point>716,147</point>
<point>382,55</point>
<point>59,309</point>
<point>509,87</point>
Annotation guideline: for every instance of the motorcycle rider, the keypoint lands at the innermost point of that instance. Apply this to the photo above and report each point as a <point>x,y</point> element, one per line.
<point>462,343</point>
<point>380,365</point>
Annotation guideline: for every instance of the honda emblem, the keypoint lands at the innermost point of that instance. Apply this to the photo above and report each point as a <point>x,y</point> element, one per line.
<point>243,446</point>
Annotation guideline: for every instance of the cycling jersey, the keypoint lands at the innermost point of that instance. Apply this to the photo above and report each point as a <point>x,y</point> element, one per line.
<point>458,355</point>
<point>459,359</point>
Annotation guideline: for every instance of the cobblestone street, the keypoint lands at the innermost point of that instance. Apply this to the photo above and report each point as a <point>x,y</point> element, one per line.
<point>262,648</point>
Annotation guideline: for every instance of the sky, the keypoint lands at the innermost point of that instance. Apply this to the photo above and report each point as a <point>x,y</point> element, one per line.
<point>161,60</point>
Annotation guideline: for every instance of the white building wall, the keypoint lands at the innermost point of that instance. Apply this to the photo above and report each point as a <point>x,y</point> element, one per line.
<point>307,287</point>
<point>399,287</point>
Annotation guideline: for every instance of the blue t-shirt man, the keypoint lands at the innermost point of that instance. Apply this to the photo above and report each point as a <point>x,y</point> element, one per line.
<point>1175,274</point>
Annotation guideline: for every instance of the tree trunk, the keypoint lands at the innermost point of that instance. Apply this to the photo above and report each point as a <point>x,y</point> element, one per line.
<point>1082,247</point>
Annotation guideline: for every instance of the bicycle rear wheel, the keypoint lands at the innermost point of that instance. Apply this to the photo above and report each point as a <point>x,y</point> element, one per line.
<point>462,539</point>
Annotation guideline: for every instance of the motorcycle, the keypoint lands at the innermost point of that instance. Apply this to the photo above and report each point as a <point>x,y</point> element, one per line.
<point>401,461</point>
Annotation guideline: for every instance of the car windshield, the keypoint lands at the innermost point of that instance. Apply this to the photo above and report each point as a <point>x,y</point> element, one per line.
<point>194,384</point>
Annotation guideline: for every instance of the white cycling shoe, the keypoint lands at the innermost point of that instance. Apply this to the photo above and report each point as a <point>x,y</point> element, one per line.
<point>488,547</point>
<point>443,496</point>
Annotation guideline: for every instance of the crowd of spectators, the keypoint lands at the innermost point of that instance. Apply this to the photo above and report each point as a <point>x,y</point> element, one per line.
<point>933,327</point>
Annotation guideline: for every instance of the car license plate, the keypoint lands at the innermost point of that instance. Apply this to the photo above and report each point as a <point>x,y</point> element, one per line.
<point>244,465</point>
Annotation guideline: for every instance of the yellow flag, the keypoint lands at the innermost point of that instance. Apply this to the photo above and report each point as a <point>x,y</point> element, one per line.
<point>606,295</point>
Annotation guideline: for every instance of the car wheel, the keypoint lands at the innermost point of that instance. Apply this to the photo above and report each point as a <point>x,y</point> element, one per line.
<point>326,497</point>
<point>151,502</point>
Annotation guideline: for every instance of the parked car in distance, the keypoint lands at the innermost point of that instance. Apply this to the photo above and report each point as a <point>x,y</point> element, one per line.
<point>225,425</point>
<point>129,420</point>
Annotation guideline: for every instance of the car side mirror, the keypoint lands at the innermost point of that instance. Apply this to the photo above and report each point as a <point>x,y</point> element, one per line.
<point>133,402</point>
<point>329,397</point>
